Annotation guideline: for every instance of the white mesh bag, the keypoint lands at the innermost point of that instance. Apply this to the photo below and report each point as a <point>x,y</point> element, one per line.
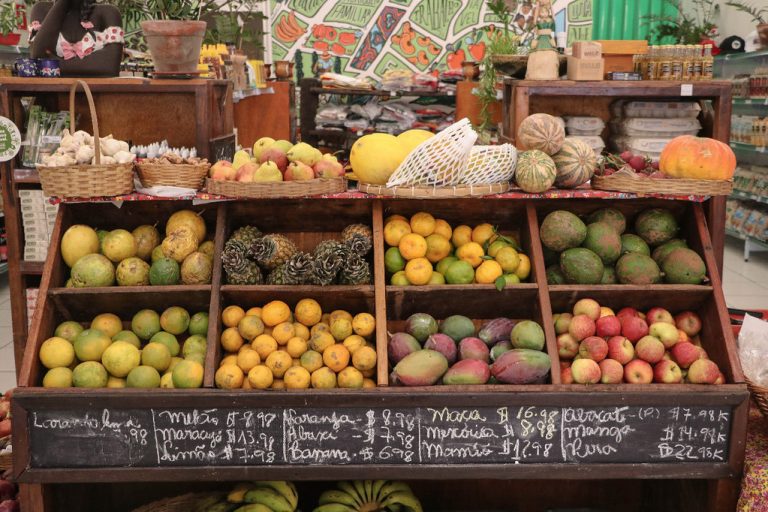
<point>439,161</point>
<point>490,164</point>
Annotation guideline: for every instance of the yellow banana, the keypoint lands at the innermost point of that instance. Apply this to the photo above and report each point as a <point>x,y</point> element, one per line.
<point>406,499</point>
<point>285,489</point>
<point>269,497</point>
<point>237,495</point>
<point>337,496</point>
<point>335,507</point>
<point>348,488</point>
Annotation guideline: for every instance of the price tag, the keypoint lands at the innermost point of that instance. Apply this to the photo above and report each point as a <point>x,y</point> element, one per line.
<point>10,139</point>
<point>747,102</point>
<point>359,133</point>
<point>499,95</point>
<point>393,94</point>
<point>450,93</point>
<point>51,139</point>
<point>686,90</point>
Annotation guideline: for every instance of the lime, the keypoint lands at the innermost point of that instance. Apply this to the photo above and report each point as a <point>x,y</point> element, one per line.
<point>393,260</point>
<point>460,272</point>
<point>143,377</point>
<point>68,330</point>
<point>437,278</point>
<point>444,263</point>
<point>167,339</point>
<point>198,324</point>
<point>399,279</point>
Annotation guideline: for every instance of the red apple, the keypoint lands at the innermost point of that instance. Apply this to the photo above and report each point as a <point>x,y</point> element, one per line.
<point>567,347</point>
<point>223,171</point>
<point>566,375</point>
<point>685,354</point>
<point>276,155</point>
<point>720,378</point>
<point>682,337</point>
<point>637,163</point>
<point>565,364</point>
<point>594,348</point>
<point>607,326</point>
<point>612,372</point>
<point>604,311</point>
<point>665,332</point>
<point>667,372</point>
<point>633,328</point>
<point>638,371</point>
<point>650,349</point>
<point>689,322</point>
<point>621,349</point>
<point>245,172</point>
<point>581,327</point>
<point>703,352</point>
<point>703,371</point>
<point>659,315</point>
<point>588,307</point>
<point>562,322</point>
<point>585,371</point>
<point>627,312</point>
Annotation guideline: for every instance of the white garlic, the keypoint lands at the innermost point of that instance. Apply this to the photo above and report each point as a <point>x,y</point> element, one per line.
<point>83,137</point>
<point>84,154</point>
<point>124,157</point>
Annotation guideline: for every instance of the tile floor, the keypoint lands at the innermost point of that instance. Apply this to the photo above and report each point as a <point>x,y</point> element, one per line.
<point>745,285</point>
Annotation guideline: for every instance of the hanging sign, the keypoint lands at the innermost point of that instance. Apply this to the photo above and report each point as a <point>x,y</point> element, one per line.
<point>10,139</point>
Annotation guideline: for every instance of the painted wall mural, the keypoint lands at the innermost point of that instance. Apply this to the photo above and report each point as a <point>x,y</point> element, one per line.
<point>368,37</point>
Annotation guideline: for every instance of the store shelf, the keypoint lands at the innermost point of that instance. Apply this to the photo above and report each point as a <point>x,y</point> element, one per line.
<point>378,92</point>
<point>754,102</point>
<point>748,148</point>
<point>26,175</point>
<point>31,268</point>
<point>742,236</point>
<point>3,267</point>
<point>738,194</point>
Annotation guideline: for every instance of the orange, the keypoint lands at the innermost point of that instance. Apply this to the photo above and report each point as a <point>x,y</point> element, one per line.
<point>250,326</point>
<point>301,330</point>
<point>283,332</point>
<point>296,362</point>
<point>341,328</point>
<point>524,268</point>
<point>326,318</point>
<point>496,246</point>
<point>413,246</point>
<point>232,315</point>
<point>311,360</point>
<point>363,324</point>
<point>279,361</point>
<point>320,341</point>
<point>353,343</point>
<point>336,357</point>
<point>508,258</point>
<point>419,271</point>
<point>278,384</point>
<point>231,341</point>
<point>443,228</point>
<point>308,312</point>
<point>296,346</point>
<point>364,358</point>
<point>350,377</point>
<point>323,378</point>
<point>369,374</point>
<point>488,271</point>
<point>438,247</point>
<point>399,279</point>
<point>437,278</point>
<point>253,312</point>
<point>472,253</point>
<point>247,359</point>
<point>229,376</point>
<point>394,217</point>
<point>395,230</point>
<point>368,384</point>
<point>275,312</point>
<point>321,327</point>
<point>228,359</point>
<point>260,377</point>
<point>461,235</point>
<point>247,384</point>
<point>297,377</point>
<point>423,224</point>
<point>264,345</point>
<point>339,313</point>
<point>483,233</point>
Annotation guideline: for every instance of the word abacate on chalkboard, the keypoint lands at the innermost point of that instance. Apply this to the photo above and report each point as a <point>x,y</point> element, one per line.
<point>414,436</point>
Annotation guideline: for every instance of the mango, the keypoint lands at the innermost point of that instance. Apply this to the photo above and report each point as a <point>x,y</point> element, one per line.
<point>527,334</point>
<point>421,326</point>
<point>496,330</point>
<point>443,344</point>
<point>457,327</point>
<point>521,366</point>
<point>474,348</point>
<point>401,345</point>
<point>422,368</point>
<point>468,371</point>
<point>500,348</point>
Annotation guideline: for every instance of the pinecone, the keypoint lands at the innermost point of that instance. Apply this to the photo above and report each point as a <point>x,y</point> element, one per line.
<point>238,268</point>
<point>271,251</point>
<point>355,271</point>
<point>277,276</point>
<point>298,268</point>
<point>247,235</point>
<point>358,237</point>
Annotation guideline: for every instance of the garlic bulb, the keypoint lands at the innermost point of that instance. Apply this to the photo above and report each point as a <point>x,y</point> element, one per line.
<point>110,146</point>
<point>124,157</point>
<point>106,160</point>
<point>66,138</point>
<point>84,154</point>
<point>83,137</point>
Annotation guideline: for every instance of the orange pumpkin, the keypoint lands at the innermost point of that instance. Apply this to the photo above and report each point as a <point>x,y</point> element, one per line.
<point>698,158</point>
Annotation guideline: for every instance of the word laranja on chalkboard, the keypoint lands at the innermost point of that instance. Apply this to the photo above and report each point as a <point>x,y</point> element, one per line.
<point>381,436</point>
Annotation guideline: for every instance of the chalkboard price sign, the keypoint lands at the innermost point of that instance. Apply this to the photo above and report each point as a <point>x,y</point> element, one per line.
<point>380,436</point>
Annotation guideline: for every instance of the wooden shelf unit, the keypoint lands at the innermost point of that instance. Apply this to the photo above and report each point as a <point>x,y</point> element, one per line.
<point>185,112</point>
<point>324,217</point>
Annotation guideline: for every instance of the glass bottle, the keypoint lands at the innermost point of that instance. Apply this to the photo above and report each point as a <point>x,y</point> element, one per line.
<point>697,62</point>
<point>665,63</point>
<point>676,60</point>
<point>688,59</point>
<point>708,63</point>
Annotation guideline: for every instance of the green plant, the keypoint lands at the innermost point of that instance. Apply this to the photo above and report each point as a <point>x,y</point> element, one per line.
<point>759,15</point>
<point>685,27</point>
<point>501,11</point>
<point>10,17</point>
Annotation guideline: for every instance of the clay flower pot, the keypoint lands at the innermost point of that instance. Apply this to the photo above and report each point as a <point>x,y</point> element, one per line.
<point>470,69</point>
<point>174,45</point>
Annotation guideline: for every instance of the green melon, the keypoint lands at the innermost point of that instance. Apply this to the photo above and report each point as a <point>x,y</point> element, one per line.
<point>535,172</point>
<point>542,132</point>
<point>555,275</point>
<point>609,276</point>
<point>575,163</point>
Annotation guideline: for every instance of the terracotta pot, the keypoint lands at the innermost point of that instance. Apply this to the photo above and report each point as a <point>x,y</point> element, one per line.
<point>762,34</point>
<point>283,69</point>
<point>174,45</point>
<point>470,69</point>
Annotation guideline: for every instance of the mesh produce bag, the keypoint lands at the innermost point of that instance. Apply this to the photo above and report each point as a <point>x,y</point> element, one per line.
<point>490,164</point>
<point>439,161</point>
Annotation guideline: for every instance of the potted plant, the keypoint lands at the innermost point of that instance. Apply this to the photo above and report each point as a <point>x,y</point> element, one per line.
<point>685,27</point>
<point>759,16</point>
<point>11,19</point>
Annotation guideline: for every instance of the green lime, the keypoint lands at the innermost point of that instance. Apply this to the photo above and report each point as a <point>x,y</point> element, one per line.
<point>460,272</point>
<point>437,278</point>
<point>399,279</point>
<point>393,260</point>
<point>444,263</point>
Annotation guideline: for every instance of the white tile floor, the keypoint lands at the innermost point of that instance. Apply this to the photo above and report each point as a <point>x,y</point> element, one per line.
<point>745,285</point>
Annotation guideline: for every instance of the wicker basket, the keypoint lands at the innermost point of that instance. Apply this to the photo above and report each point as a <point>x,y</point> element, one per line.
<point>759,395</point>
<point>86,180</point>
<point>182,503</point>
<point>629,181</point>
<point>276,189</point>
<point>173,175</point>
<point>435,192</point>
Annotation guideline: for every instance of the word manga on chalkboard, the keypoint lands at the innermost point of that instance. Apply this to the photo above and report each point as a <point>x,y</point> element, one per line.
<point>381,436</point>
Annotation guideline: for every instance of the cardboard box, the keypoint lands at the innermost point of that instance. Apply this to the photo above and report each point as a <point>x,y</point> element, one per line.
<point>587,50</point>
<point>618,54</point>
<point>585,69</point>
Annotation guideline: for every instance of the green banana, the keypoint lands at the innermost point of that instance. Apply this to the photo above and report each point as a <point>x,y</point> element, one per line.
<point>369,491</point>
<point>376,490</point>
<point>392,487</point>
<point>204,503</point>
<point>253,507</point>
<point>348,488</point>
<point>335,507</point>
<point>269,497</point>
<point>237,495</point>
<point>285,489</point>
<point>360,488</point>
<point>406,499</point>
<point>337,496</point>
<point>222,507</point>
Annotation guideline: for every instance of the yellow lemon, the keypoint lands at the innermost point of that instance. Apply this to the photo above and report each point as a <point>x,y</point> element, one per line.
<point>283,332</point>
<point>250,326</point>
<point>354,342</point>
<point>232,315</point>
<point>423,224</point>
<point>508,258</point>
<point>253,312</point>
<point>311,360</point>
<point>297,377</point>
<point>442,228</point>
<point>301,330</point>
<point>341,328</point>
<point>438,247</point>
<point>472,253</point>
<point>264,345</point>
<point>399,279</point>
<point>461,235</point>
<point>120,383</point>
<point>364,324</point>
<point>308,312</point>
<point>336,357</point>
<point>231,341</point>
<point>419,271</point>
<point>296,346</point>
<point>350,377</point>
<point>260,377</point>
<point>395,230</point>
<point>524,268</point>
<point>487,272</point>
<point>323,378</point>
<point>364,358</point>
<point>247,359</point>
<point>275,312</point>
<point>62,378</point>
<point>278,362</point>
<point>482,233</point>
<point>57,353</point>
<point>229,376</point>
<point>413,246</point>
